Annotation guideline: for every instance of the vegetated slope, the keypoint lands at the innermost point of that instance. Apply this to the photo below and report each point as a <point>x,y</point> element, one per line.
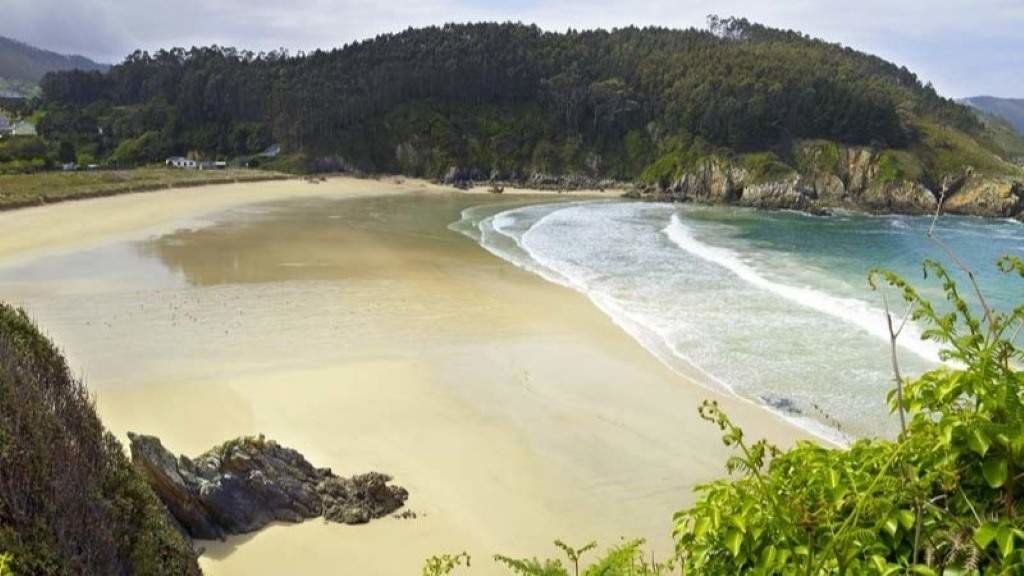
<point>23,66</point>
<point>1010,109</point>
<point>510,100</point>
<point>70,501</point>
<point>1004,134</point>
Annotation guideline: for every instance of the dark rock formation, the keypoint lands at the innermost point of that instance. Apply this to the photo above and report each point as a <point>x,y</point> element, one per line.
<point>359,499</point>
<point>248,483</point>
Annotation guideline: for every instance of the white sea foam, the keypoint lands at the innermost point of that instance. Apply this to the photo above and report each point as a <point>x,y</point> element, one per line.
<point>654,327</point>
<point>754,314</point>
<point>849,310</point>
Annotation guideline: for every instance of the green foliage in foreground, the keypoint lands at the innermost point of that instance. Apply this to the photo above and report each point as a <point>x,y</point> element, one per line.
<point>627,559</point>
<point>445,564</point>
<point>941,499</point>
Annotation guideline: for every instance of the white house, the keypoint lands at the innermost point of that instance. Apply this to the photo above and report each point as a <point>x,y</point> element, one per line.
<point>180,162</point>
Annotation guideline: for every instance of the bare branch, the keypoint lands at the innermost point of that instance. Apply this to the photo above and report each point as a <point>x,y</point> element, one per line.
<point>893,336</point>
<point>1016,333</point>
<point>906,318</point>
<point>960,263</point>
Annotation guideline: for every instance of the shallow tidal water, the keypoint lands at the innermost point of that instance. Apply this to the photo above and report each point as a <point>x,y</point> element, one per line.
<point>264,286</point>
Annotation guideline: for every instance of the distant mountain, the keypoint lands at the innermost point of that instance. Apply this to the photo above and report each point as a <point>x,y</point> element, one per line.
<point>22,66</point>
<point>1010,109</point>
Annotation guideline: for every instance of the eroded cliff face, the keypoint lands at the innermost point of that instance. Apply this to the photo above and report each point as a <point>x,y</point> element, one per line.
<point>979,196</point>
<point>841,177</point>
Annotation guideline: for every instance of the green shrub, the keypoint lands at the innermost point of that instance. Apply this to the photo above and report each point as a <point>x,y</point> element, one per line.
<point>765,167</point>
<point>626,559</point>
<point>149,147</point>
<point>945,151</point>
<point>940,499</point>
<point>445,564</point>
<point>895,166</point>
<point>677,155</point>
<point>70,502</point>
<point>22,148</point>
<point>817,156</point>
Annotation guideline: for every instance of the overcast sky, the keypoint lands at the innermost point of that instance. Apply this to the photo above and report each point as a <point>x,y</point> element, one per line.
<point>963,47</point>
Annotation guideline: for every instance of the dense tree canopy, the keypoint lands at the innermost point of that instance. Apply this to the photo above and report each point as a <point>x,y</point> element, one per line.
<point>506,97</point>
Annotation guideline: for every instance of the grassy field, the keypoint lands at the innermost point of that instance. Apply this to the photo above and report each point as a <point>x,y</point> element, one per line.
<point>21,190</point>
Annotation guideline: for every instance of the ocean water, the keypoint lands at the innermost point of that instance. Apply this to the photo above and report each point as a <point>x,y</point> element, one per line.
<point>774,307</point>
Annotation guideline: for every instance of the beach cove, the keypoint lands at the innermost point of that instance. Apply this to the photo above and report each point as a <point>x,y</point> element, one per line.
<point>345,320</point>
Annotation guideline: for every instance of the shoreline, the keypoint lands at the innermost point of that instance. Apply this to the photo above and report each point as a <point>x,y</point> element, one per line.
<point>513,409</point>
<point>121,215</point>
<point>660,350</point>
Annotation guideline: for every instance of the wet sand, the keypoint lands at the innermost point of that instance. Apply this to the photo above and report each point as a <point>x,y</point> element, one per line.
<point>346,321</point>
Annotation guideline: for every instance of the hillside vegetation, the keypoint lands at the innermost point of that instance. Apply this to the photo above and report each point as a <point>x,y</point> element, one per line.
<point>70,501</point>
<point>510,100</point>
<point>1003,131</point>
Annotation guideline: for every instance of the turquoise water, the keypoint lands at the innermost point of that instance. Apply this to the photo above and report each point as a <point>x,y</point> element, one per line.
<point>773,306</point>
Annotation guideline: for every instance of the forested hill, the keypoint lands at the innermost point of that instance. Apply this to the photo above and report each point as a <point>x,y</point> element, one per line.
<point>22,66</point>
<point>511,100</point>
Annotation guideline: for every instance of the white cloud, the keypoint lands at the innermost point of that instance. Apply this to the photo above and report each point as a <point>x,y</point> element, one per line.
<point>964,47</point>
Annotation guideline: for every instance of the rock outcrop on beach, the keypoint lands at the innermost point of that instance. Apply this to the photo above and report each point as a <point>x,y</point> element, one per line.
<point>832,176</point>
<point>245,484</point>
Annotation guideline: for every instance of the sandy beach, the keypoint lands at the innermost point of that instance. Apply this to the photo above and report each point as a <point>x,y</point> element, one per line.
<point>345,320</point>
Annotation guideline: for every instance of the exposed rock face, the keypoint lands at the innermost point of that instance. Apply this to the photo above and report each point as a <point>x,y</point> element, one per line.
<point>359,499</point>
<point>840,176</point>
<point>828,188</point>
<point>713,181</point>
<point>986,197</point>
<point>786,195</point>
<point>177,491</point>
<point>902,197</point>
<point>246,484</point>
<point>858,168</point>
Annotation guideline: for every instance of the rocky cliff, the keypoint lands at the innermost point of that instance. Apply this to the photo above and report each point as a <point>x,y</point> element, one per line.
<point>831,176</point>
